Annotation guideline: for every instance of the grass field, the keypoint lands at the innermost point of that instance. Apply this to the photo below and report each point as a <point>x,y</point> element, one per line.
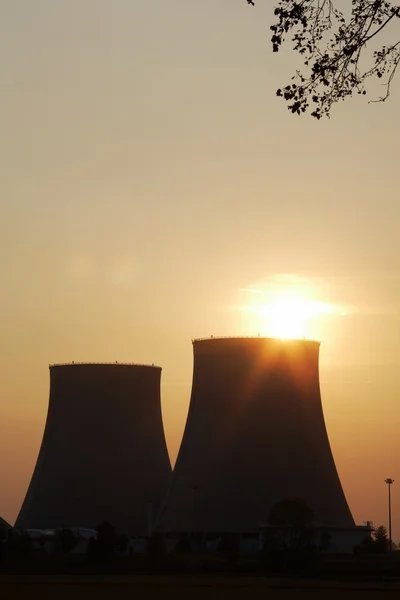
<point>177,587</point>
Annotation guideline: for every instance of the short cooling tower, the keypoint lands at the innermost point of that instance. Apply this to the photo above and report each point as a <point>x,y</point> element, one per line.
<point>255,435</point>
<point>4,526</point>
<point>103,454</point>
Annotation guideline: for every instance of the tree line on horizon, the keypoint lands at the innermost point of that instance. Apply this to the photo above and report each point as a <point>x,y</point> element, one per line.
<point>290,543</point>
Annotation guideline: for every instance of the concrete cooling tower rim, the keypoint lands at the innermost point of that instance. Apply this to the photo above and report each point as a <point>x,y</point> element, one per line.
<point>103,364</point>
<point>257,337</point>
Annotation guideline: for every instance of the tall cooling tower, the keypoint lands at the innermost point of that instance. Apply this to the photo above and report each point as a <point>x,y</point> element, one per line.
<point>103,454</point>
<point>255,435</point>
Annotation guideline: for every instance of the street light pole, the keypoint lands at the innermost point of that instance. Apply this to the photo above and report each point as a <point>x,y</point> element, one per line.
<point>389,483</point>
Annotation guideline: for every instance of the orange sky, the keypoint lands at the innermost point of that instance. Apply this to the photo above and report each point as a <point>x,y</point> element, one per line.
<point>150,177</point>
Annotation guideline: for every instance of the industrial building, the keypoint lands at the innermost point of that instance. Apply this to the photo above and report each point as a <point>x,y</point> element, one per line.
<point>103,456</point>
<point>255,435</point>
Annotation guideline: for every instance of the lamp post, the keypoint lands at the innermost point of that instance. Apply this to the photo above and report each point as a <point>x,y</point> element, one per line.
<point>389,483</point>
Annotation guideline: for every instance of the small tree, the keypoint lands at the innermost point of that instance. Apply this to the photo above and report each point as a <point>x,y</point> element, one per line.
<point>381,539</point>
<point>229,548</point>
<point>3,538</point>
<point>18,545</point>
<point>367,546</point>
<point>325,542</point>
<point>156,549</point>
<point>291,541</point>
<point>293,520</point>
<point>122,544</point>
<point>271,550</point>
<point>104,546</point>
<point>183,546</point>
<point>66,541</point>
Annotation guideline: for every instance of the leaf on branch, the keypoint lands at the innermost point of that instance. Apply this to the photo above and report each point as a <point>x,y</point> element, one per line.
<point>331,47</point>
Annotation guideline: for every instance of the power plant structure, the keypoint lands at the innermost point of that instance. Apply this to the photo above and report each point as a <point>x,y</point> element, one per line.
<point>255,435</point>
<point>103,456</point>
<point>4,526</point>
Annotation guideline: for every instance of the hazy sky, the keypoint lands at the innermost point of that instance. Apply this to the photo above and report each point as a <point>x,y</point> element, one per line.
<point>150,178</point>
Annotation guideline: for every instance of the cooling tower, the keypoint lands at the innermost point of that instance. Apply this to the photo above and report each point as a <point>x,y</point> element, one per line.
<point>4,526</point>
<point>255,435</point>
<point>103,454</point>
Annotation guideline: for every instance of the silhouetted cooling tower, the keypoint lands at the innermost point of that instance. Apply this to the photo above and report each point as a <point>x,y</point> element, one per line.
<point>255,435</point>
<point>4,526</point>
<point>103,454</point>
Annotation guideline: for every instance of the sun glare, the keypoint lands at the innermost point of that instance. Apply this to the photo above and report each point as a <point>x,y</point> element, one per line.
<point>286,318</point>
<point>287,313</point>
<point>292,317</point>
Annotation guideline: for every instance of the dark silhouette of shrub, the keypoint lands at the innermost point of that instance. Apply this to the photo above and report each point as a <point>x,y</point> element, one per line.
<point>156,550</point>
<point>103,548</point>
<point>289,541</point>
<point>122,543</point>
<point>367,546</point>
<point>381,540</point>
<point>66,541</point>
<point>183,546</point>
<point>17,545</point>
<point>229,547</point>
<point>324,541</point>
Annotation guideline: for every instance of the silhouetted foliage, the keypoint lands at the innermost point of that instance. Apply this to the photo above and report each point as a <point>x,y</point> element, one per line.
<point>289,541</point>
<point>271,552</point>
<point>229,547</point>
<point>17,545</point>
<point>66,541</point>
<point>367,546</point>
<point>333,49</point>
<point>122,543</point>
<point>92,549</point>
<point>156,549</point>
<point>24,545</point>
<point>103,548</point>
<point>3,539</point>
<point>381,539</point>
<point>324,542</point>
<point>293,520</point>
<point>378,543</point>
<point>183,545</point>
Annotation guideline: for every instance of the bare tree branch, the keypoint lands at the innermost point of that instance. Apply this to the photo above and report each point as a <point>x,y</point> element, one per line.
<point>333,48</point>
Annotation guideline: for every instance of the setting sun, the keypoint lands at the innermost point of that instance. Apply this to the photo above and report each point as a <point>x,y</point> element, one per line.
<point>286,312</point>
<point>287,318</point>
